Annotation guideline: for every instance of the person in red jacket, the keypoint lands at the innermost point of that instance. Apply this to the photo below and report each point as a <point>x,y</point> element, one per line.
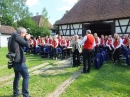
<point>116,44</point>
<point>109,46</point>
<point>34,45</point>
<point>125,41</point>
<point>89,44</point>
<point>97,41</point>
<point>55,45</point>
<point>39,41</point>
<point>68,41</point>
<point>42,45</point>
<point>59,41</point>
<point>102,42</point>
<point>50,46</point>
<point>68,44</point>
<point>63,46</point>
<point>31,45</point>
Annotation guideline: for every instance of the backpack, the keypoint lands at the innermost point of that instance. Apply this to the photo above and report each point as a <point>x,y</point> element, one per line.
<point>10,55</point>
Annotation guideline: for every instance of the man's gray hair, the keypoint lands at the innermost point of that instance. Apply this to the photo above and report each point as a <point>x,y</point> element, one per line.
<point>21,30</point>
<point>89,31</point>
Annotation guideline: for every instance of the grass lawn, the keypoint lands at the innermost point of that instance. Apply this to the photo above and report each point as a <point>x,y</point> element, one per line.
<point>3,59</point>
<point>31,62</point>
<point>42,84</point>
<point>109,81</point>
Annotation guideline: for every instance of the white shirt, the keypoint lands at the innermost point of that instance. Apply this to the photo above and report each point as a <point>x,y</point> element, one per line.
<point>98,41</point>
<point>84,39</point>
<point>108,44</point>
<point>119,45</point>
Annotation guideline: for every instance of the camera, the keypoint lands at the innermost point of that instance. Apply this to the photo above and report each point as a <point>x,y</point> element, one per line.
<point>10,57</point>
<point>10,64</point>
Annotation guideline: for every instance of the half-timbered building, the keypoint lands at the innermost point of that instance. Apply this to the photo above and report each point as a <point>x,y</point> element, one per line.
<point>100,16</point>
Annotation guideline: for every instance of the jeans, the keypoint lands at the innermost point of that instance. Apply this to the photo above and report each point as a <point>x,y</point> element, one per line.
<point>21,70</point>
<point>87,54</point>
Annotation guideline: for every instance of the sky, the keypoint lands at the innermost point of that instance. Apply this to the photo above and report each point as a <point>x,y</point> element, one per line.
<point>55,8</point>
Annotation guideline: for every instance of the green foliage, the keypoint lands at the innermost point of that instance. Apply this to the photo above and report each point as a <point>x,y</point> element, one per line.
<point>13,10</point>
<point>66,12</point>
<point>45,23</point>
<point>16,10</point>
<point>35,30</point>
<point>27,23</point>
<point>7,20</point>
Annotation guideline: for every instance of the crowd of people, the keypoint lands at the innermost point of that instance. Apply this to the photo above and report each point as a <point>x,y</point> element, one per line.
<point>56,46</point>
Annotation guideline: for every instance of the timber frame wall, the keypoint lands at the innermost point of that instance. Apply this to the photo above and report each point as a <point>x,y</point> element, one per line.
<point>120,26</point>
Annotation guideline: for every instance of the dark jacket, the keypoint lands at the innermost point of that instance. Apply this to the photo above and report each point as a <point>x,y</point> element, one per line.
<point>17,43</point>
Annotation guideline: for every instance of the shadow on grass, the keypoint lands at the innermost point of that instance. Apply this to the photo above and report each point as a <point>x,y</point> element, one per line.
<point>55,75</point>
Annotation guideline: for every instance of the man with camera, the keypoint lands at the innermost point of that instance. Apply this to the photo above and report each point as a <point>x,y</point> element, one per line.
<point>17,41</point>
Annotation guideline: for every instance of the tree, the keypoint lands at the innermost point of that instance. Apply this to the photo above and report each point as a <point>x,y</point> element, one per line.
<point>15,9</point>
<point>27,22</point>
<point>7,20</point>
<point>66,12</point>
<point>45,23</point>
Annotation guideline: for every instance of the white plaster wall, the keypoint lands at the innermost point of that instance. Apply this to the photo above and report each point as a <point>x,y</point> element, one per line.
<point>128,30</point>
<point>4,40</point>
<point>76,26</point>
<point>72,32</point>
<point>122,22</point>
<point>118,30</point>
<point>117,24</point>
<point>80,31</point>
<point>63,32</point>
<point>64,27</point>
<point>123,28</point>
<point>68,32</point>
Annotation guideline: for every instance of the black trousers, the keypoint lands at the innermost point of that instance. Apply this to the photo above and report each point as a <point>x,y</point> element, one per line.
<point>101,46</point>
<point>55,52</point>
<point>116,54</point>
<point>76,58</point>
<point>109,52</point>
<point>87,54</point>
<point>63,51</point>
<point>31,49</point>
<point>96,50</point>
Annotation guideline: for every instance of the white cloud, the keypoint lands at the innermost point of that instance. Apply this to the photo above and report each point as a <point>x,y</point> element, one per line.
<point>32,2</point>
<point>64,8</point>
<point>71,1</point>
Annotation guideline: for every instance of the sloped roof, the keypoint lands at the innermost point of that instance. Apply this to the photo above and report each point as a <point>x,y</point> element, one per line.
<point>97,10</point>
<point>7,29</point>
<point>39,20</point>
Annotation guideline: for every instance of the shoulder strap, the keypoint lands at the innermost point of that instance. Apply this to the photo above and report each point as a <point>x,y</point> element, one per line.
<point>9,43</point>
